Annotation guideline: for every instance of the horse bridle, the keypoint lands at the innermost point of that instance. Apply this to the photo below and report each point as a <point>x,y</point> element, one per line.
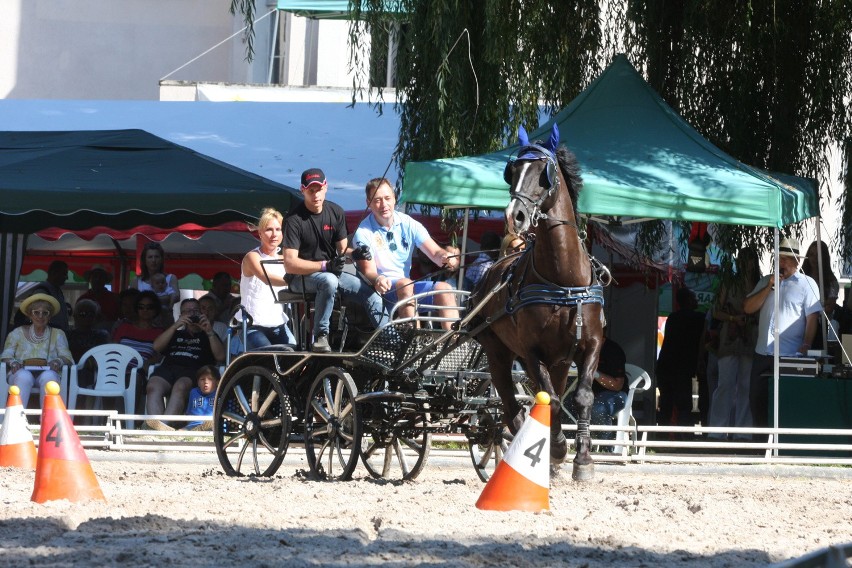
<point>531,207</point>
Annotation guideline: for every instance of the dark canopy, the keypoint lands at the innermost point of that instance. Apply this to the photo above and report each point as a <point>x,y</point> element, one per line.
<point>121,179</point>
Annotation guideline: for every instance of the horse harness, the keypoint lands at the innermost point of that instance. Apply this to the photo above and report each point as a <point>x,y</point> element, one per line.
<point>548,293</point>
<point>533,207</point>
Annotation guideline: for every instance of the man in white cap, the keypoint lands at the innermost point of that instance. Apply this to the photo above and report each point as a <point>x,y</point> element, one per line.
<point>798,317</point>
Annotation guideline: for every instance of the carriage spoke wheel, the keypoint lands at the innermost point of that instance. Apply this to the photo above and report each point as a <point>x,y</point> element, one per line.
<point>397,450</point>
<point>488,438</point>
<point>332,426</point>
<point>251,423</point>
<point>488,445</point>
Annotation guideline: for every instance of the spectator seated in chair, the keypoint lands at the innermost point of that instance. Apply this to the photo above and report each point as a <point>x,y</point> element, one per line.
<point>489,244</point>
<point>35,354</point>
<point>610,387</point>
<point>186,346</point>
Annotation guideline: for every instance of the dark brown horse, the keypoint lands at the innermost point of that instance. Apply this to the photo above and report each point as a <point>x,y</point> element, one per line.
<point>544,306</point>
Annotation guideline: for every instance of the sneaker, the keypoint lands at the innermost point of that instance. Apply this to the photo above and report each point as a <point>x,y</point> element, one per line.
<point>321,344</point>
<point>158,425</point>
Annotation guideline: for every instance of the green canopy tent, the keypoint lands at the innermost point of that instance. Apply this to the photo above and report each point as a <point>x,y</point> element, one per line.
<point>118,179</point>
<point>639,159</point>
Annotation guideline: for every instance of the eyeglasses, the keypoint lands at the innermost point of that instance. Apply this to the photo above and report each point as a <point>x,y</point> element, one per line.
<point>83,314</point>
<point>145,306</point>
<point>391,244</point>
<point>40,313</point>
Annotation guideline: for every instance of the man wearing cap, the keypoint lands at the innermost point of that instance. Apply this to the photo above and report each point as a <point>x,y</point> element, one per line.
<point>98,278</point>
<point>315,241</point>
<point>798,316</point>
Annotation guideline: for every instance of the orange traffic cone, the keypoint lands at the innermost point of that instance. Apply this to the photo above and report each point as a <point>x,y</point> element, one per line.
<point>16,441</point>
<point>521,481</point>
<point>63,470</point>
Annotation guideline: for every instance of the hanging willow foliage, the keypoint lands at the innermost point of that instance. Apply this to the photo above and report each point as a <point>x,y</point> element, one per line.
<point>767,81</point>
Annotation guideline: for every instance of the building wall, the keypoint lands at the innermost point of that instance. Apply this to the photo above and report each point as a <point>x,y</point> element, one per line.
<point>113,49</point>
<point>121,49</point>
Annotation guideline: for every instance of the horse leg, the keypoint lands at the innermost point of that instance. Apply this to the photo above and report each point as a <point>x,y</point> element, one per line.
<point>500,367</point>
<point>584,466</point>
<point>541,376</point>
<point>558,378</point>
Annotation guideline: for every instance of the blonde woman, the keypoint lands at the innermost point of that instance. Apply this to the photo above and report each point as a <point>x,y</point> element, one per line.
<point>269,322</point>
<point>512,244</point>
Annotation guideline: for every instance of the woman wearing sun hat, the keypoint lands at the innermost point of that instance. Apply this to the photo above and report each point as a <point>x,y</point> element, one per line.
<point>35,353</point>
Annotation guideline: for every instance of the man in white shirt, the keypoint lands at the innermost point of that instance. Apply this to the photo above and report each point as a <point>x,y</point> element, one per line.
<point>798,317</point>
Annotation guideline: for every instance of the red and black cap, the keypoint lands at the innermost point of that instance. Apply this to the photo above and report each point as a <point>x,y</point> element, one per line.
<point>311,176</point>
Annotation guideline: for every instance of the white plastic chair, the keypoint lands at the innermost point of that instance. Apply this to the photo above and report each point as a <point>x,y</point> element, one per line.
<point>4,386</point>
<point>111,378</point>
<point>637,379</point>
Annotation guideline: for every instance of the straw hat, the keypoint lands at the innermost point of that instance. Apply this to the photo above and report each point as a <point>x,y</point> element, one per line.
<point>54,305</point>
<point>97,267</point>
<point>789,247</point>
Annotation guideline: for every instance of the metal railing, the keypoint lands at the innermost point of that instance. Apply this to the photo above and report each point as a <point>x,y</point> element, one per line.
<point>642,444</point>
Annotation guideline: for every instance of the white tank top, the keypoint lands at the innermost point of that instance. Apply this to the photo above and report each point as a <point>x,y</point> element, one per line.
<point>257,298</point>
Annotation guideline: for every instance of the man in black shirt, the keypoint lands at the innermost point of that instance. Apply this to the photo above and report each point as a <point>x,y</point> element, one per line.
<point>315,240</point>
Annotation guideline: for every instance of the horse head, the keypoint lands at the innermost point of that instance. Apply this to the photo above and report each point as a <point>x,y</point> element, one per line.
<point>533,177</point>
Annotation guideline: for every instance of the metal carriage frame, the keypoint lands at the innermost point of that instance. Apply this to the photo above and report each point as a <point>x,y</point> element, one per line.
<point>380,404</point>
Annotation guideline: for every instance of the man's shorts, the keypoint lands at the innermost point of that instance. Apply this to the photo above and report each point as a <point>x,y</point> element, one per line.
<point>172,373</point>
<point>420,287</point>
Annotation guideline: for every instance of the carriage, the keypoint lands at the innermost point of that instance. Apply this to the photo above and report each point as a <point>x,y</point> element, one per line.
<point>381,397</point>
<point>379,403</point>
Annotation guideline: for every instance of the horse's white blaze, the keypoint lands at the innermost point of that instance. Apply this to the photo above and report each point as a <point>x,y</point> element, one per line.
<point>516,224</point>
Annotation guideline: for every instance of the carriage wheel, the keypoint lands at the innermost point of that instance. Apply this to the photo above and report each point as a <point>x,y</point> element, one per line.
<point>488,438</point>
<point>398,450</point>
<point>332,426</point>
<point>251,423</point>
<point>489,444</point>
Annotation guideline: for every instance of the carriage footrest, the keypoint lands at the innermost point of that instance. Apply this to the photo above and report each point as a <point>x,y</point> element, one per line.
<point>380,396</point>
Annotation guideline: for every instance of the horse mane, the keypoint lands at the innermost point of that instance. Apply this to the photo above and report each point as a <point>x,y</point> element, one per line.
<point>571,172</point>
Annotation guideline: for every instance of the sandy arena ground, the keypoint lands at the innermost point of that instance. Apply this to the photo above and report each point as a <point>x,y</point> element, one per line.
<point>191,514</point>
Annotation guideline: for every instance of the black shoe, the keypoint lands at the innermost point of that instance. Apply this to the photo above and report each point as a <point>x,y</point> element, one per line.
<point>321,344</point>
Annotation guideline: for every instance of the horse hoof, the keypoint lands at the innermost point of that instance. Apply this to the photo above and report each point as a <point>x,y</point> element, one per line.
<point>583,472</point>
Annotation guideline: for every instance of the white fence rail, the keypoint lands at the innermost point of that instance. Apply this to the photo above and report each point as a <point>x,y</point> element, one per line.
<point>639,444</point>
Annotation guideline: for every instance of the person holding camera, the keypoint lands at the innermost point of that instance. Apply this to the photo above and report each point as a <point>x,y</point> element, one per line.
<point>315,241</point>
<point>186,346</point>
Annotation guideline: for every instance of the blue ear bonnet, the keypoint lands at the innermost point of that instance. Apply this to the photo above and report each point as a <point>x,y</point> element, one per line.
<point>531,151</point>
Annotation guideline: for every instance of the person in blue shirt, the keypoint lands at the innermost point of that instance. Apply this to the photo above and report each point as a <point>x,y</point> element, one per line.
<point>391,238</point>
<point>201,398</point>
